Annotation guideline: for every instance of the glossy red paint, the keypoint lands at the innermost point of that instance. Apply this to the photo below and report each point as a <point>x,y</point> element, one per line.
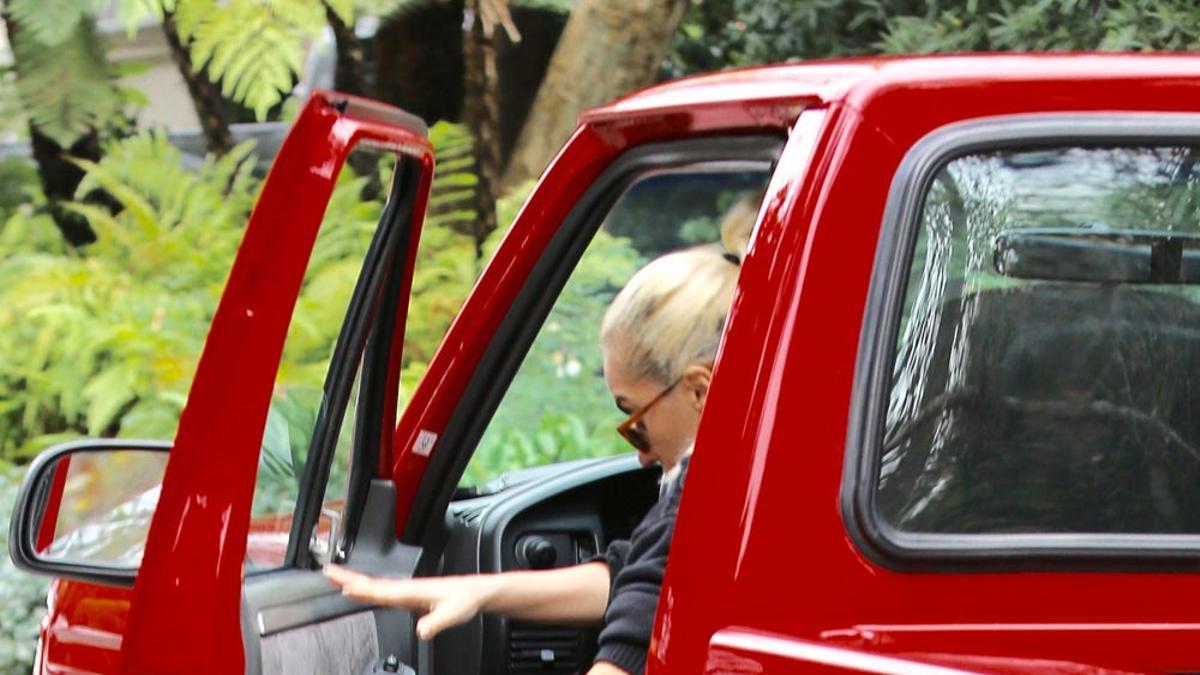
<point>45,533</point>
<point>83,629</point>
<point>747,651</point>
<point>767,474</point>
<point>190,579</point>
<point>762,572</point>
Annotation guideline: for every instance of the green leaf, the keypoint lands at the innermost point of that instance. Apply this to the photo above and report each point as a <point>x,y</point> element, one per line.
<point>68,90</point>
<point>131,68</point>
<point>133,13</point>
<point>253,47</point>
<point>107,393</point>
<point>49,22</point>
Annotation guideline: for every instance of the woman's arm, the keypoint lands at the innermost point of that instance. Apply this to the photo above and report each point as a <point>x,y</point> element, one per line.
<point>577,594</point>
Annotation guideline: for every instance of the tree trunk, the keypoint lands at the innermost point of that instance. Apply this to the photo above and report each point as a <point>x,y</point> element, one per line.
<point>348,76</point>
<point>206,96</point>
<point>59,179</point>
<point>481,115</point>
<point>607,49</point>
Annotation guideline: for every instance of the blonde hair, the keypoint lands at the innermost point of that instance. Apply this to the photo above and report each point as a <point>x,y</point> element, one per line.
<point>672,312</point>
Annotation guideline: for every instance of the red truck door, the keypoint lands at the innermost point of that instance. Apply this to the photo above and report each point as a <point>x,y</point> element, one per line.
<point>189,598</point>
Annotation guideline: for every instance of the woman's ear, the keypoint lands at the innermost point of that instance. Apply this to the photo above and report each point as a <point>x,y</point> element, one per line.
<point>696,379</point>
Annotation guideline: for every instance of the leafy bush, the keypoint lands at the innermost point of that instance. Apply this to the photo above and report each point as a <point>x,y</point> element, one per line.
<point>718,34</point>
<point>105,340</point>
<point>23,597</point>
<point>558,407</point>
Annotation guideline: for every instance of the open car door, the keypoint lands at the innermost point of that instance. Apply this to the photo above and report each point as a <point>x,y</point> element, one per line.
<point>206,601</point>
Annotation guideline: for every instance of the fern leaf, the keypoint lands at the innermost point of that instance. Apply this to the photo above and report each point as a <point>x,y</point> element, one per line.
<point>104,224</point>
<point>67,90</point>
<point>133,202</point>
<point>133,13</point>
<point>107,393</point>
<point>253,47</point>
<point>190,15</point>
<point>226,168</point>
<point>49,22</point>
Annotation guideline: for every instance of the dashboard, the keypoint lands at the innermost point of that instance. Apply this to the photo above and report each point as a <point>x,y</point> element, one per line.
<point>541,518</point>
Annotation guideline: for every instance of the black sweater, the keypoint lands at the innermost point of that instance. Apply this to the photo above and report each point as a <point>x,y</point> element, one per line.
<point>635,568</point>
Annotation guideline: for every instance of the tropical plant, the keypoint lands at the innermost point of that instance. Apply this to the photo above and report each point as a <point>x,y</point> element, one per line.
<point>104,341</point>
<point>62,83</point>
<point>558,407</point>
<point>723,33</point>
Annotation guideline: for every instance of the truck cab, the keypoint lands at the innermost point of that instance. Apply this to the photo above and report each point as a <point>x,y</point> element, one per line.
<point>949,430</point>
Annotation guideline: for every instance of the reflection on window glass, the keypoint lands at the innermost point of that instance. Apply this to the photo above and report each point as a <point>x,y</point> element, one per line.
<point>333,271</point>
<point>558,407</point>
<point>106,503</point>
<point>1050,327</point>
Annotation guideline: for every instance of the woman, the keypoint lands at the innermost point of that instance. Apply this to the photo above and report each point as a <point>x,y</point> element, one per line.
<point>659,338</point>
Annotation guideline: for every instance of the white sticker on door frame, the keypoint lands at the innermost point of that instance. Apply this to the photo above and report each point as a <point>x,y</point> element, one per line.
<point>424,443</point>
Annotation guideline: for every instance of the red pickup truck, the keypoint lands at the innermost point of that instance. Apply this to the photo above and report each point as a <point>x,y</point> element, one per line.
<point>951,428</point>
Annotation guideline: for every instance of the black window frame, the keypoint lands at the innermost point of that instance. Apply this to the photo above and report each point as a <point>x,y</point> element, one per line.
<point>899,230</point>
<point>363,344</point>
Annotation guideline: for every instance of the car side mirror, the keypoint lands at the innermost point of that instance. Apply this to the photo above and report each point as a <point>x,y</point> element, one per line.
<point>84,509</point>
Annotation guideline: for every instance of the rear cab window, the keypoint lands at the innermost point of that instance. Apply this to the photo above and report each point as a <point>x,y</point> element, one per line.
<point>1030,389</point>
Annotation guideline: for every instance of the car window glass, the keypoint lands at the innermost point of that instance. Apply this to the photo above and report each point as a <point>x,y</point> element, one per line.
<point>557,407</point>
<point>333,270</point>
<point>1051,318</point>
<point>333,505</point>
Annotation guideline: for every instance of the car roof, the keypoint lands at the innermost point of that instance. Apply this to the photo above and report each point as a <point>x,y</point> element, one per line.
<point>859,79</point>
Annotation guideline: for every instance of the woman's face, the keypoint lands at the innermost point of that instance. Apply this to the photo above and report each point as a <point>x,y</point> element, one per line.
<point>670,424</point>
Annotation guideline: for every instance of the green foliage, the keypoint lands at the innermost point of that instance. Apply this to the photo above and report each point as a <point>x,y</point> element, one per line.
<point>105,340</point>
<point>253,47</point>
<point>24,596</point>
<point>61,81</point>
<point>49,22</point>
<point>65,88</point>
<point>719,34</point>
<point>1042,25</point>
<point>447,265</point>
<point>723,33</point>
<point>558,407</point>
<point>17,178</point>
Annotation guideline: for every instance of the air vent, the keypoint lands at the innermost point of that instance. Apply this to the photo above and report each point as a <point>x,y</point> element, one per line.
<point>467,515</point>
<point>542,649</point>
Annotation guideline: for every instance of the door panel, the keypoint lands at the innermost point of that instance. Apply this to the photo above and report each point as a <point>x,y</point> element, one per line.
<point>300,609</point>
<point>184,616</point>
<point>344,646</point>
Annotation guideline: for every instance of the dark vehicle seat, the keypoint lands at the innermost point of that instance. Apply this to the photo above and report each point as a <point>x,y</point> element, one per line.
<point>1058,408</point>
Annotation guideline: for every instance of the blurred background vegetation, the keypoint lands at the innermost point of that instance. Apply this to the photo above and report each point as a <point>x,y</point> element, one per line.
<point>116,234</point>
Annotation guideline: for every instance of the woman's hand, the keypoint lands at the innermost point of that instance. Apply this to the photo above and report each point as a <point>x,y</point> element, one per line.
<point>448,601</point>
<point>576,594</point>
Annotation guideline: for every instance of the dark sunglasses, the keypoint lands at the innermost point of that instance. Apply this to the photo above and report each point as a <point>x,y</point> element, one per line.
<point>629,429</point>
